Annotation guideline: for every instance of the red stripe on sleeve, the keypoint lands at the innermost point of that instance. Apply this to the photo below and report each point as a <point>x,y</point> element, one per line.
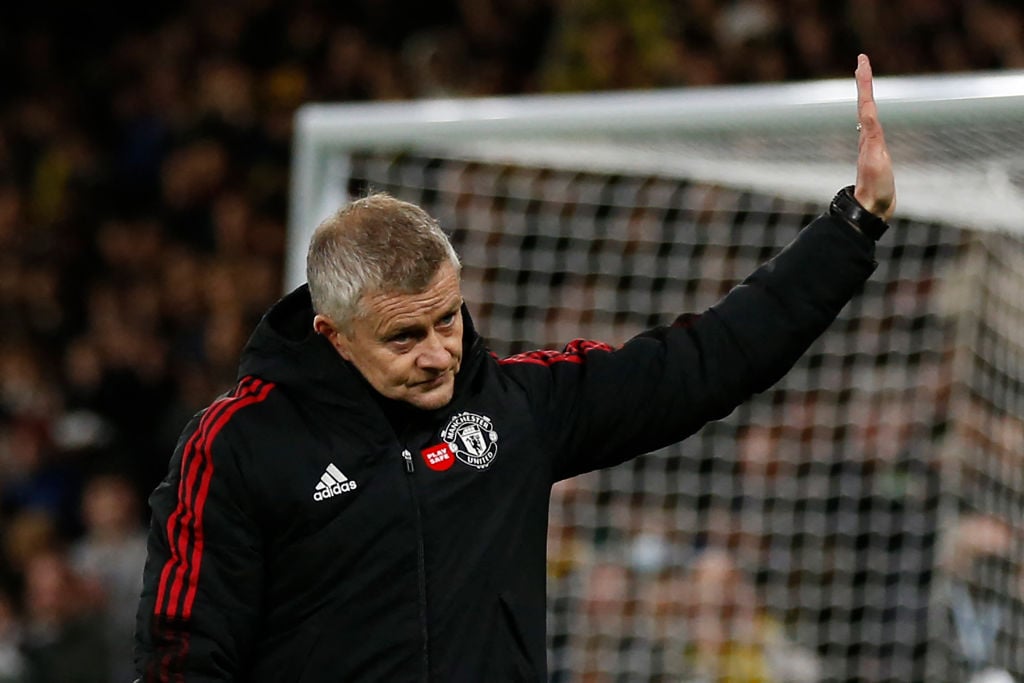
<point>184,526</point>
<point>204,487</point>
<point>181,516</point>
<point>574,352</point>
<point>187,462</point>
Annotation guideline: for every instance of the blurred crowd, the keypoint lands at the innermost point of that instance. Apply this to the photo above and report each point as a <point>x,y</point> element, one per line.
<point>144,151</point>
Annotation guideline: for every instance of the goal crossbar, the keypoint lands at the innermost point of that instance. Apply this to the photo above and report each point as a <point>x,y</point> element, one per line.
<point>703,133</point>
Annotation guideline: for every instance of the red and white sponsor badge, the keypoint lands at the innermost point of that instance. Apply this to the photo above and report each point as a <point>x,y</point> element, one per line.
<point>439,457</point>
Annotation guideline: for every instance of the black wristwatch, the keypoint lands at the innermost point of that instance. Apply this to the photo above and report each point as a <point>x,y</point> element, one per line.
<point>846,207</point>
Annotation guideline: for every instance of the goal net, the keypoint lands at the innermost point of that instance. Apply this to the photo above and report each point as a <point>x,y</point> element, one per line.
<point>862,520</point>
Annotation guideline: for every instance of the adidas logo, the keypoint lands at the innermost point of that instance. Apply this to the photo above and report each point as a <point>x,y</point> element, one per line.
<point>332,483</point>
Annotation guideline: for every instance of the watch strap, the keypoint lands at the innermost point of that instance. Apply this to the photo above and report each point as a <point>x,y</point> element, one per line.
<point>846,207</point>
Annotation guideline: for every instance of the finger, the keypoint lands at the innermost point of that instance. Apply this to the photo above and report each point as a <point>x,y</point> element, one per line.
<point>866,110</point>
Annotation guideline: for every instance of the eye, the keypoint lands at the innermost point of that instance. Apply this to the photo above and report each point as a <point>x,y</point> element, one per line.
<point>447,321</point>
<point>403,339</point>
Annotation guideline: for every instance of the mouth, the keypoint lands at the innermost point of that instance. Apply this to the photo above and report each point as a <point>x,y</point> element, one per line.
<point>433,382</point>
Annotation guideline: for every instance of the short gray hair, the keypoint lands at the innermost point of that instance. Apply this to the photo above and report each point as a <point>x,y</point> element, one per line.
<point>374,244</point>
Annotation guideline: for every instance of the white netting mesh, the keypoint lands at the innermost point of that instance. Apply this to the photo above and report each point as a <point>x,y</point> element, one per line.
<point>954,138</point>
<point>957,167</point>
<point>824,530</point>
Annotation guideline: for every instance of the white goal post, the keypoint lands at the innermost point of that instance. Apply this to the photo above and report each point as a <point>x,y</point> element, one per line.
<point>872,504</point>
<point>957,141</point>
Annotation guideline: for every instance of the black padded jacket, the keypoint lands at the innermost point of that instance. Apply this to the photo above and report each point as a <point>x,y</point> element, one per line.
<point>309,530</point>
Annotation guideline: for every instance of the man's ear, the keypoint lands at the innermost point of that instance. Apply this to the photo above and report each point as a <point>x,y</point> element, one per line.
<point>326,327</point>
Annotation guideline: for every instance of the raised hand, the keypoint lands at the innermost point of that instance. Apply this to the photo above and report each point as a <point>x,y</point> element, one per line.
<point>875,188</point>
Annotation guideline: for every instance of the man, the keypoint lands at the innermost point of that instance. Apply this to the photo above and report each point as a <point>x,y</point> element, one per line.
<point>370,502</point>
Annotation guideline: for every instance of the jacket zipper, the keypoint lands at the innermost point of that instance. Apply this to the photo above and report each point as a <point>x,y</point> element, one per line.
<point>421,563</point>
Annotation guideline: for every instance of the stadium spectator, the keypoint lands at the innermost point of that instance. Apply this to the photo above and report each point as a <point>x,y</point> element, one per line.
<point>730,637</point>
<point>978,543</point>
<point>110,557</point>
<point>63,642</point>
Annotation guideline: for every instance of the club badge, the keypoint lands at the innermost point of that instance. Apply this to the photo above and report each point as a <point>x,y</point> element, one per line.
<point>472,439</point>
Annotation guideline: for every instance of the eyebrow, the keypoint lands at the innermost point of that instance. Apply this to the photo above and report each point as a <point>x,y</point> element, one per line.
<point>400,331</point>
<point>413,328</point>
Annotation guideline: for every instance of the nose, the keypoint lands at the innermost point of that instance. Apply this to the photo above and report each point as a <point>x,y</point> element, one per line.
<point>433,354</point>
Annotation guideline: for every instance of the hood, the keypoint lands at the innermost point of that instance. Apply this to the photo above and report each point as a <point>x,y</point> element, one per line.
<point>284,349</point>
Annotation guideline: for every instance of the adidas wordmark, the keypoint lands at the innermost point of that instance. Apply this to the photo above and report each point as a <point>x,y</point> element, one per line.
<point>332,483</point>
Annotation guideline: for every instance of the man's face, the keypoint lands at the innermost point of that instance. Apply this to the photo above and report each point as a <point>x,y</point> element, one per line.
<point>407,346</point>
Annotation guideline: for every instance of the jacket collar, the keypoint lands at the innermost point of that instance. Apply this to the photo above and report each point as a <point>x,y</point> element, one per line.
<point>285,350</point>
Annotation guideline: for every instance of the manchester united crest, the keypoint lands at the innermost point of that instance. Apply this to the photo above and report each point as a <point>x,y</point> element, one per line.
<point>472,439</point>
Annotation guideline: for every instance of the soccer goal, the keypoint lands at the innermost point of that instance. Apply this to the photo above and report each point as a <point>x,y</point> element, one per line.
<point>862,520</point>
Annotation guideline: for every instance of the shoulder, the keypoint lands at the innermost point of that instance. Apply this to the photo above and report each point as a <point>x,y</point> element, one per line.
<point>224,443</point>
<point>227,408</point>
<point>235,417</point>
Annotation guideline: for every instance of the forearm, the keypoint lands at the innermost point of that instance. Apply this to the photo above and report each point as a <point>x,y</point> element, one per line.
<point>786,304</point>
<point>666,383</point>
